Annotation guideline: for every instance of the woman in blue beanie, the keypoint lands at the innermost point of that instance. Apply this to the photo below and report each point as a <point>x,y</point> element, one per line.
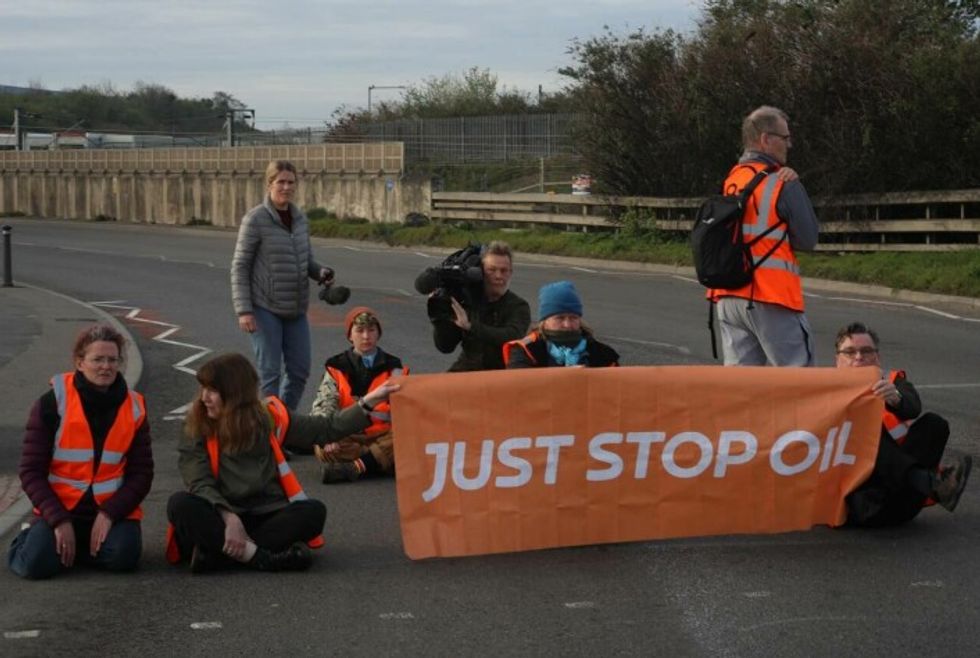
<point>561,338</point>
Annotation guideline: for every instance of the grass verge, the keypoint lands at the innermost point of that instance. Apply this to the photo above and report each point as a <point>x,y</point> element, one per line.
<point>950,273</point>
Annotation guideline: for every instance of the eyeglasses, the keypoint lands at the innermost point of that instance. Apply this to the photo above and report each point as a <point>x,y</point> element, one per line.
<point>104,360</point>
<point>787,138</point>
<point>851,352</point>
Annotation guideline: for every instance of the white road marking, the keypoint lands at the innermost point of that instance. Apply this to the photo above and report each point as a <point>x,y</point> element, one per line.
<point>685,278</point>
<point>928,583</point>
<point>177,261</point>
<point>801,620</point>
<point>396,615</point>
<point>887,302</point>
<point>179,413</point>
<point>584,269</point>
<point>206,625</point>
<point>762,594</point>
<point>580,605</point>
<point>20,635</point>
<point>163,337</point>
<point>968,385</point>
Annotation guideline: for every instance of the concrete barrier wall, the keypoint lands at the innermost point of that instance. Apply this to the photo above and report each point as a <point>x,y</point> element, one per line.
<point>222,199</point>
<point>46,184</point>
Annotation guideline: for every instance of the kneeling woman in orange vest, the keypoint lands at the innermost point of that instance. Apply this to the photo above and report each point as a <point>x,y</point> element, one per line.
<point>349,376</point>
<point>86,466</point>
<point>561,338</point>
<point>243,502</point>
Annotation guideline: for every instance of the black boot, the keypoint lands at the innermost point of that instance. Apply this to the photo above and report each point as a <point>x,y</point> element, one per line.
<point>297,557</point>
<point>204,562</point>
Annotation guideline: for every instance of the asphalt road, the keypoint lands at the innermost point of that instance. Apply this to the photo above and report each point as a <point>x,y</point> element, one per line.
<point>906,591</point>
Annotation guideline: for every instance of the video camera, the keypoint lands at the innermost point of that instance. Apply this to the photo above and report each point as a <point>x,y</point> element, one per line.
<point>331,293</point>
<point>455,277</point>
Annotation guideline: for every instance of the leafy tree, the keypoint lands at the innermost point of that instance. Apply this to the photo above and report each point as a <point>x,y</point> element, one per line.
<point>881,94</point>
<point>147,108</point>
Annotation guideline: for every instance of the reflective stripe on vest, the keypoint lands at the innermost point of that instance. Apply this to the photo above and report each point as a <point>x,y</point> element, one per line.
<point>287,478</point>
<point>72,472</point>
<point>777,278</point>
<point>895,426</point>
<point>381,414</point>
<point>522,343</point>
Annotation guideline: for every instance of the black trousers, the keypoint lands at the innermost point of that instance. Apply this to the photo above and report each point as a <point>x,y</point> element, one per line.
<point>887,498</point>
<point>197,523</point>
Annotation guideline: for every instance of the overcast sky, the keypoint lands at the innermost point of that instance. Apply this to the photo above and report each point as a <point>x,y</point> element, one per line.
<point>296,61</point>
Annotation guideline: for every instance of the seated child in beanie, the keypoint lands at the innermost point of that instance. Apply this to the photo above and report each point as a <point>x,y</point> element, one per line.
<point>560,337</point>
<point>349,376</point>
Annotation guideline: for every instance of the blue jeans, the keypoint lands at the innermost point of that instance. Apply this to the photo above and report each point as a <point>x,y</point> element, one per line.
<point>33,553</point>
<point>279,339</point>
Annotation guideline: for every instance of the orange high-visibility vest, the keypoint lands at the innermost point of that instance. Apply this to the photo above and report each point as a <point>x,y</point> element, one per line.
<point>381,414</point>
<point>896,427</point>
<point>777,279</point>
<point>523,344</point>
<point>287,478</point>
<point>73,470</point>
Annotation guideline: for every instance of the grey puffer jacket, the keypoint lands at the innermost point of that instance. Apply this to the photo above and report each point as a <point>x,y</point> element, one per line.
<point>272,265</point>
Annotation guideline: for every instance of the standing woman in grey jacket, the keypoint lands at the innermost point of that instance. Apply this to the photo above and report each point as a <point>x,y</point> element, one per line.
<point>270,288</point>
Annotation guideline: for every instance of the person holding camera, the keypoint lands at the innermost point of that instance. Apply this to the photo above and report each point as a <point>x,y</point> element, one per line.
<point>351,375</point>
<point>561,339</point>
<point>487,316</point>
<point>270,274</point>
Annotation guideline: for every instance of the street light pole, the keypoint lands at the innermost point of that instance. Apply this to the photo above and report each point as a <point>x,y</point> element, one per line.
<point>230,118</point>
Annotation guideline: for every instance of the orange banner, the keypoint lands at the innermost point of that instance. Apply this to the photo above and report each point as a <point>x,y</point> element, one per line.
<point>491,462</point>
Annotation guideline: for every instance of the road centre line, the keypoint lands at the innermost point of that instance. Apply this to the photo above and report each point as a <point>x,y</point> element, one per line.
<point>802,620</point>
<point>206,625</point>
<point>21,635</point>
<point>396,615</point>
<point>580,605</point>
<point>967,385</point>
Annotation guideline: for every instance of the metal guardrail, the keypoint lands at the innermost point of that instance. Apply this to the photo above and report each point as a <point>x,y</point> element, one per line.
<point>387,157</point>
<point>907,221</point>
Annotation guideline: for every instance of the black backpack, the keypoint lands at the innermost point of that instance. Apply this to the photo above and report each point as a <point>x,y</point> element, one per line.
<point>722,257</point>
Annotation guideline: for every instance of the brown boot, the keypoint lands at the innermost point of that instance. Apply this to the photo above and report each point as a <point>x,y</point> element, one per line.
<point>952,481</point>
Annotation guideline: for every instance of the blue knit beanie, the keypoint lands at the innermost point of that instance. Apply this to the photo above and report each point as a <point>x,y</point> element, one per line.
<point>558,297</point>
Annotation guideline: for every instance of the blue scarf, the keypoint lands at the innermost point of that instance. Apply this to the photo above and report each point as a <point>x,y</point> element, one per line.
<point>368,359</point>
<point>566,356</point>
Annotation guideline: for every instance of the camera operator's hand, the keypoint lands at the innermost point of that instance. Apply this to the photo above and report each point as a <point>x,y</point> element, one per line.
<point>462,320</point>
<point>326,276</point>
<point>246,322</point>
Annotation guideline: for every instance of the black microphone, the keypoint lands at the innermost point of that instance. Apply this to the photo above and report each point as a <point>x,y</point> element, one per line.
<point>334,295</point>
<point>427,281</point>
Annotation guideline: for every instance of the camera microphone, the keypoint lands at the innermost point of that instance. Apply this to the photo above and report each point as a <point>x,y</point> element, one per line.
<point>334,295</point>
<point>427,281</point>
